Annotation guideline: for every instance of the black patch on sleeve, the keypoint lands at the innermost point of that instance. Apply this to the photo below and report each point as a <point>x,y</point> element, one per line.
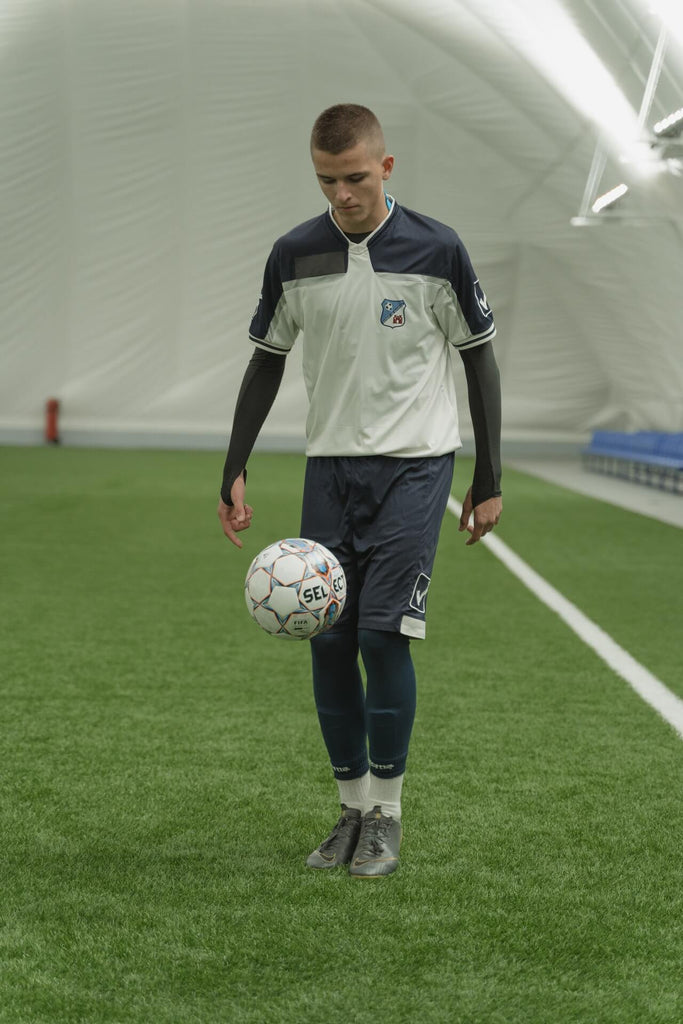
<point>319,264</point>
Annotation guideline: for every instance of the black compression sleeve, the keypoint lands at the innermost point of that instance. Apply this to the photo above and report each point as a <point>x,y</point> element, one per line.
<point>260,385</point>
<point>483,389</point>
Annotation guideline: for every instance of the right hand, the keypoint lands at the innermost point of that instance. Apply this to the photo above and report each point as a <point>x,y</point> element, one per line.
<point>486,515</point>
<point>236,517</point>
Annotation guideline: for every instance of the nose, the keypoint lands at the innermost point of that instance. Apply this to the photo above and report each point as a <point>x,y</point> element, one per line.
<point>342,194</point>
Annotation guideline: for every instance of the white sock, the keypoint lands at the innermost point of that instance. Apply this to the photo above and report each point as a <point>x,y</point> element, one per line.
<point>387,793</point>
<point>354,792</point>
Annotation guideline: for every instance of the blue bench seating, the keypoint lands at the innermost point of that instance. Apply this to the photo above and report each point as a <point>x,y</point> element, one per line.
<point>646,457</point>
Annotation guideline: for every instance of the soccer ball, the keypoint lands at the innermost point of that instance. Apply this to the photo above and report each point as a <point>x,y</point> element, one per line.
<point>295,589</point>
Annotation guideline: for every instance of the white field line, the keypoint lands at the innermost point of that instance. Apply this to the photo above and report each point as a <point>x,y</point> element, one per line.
<point>646,685</point>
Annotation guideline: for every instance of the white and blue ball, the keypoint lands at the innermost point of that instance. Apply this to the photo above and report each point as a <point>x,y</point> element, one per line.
<point>295,588</point>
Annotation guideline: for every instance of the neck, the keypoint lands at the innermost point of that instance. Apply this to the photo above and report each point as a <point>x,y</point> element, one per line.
<point>369,225</point>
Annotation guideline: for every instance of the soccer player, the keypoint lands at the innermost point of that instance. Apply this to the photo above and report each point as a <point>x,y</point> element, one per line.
<point>383,297</point>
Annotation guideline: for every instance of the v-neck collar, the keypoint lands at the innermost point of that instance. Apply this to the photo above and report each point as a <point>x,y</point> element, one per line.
<point>360,246</point>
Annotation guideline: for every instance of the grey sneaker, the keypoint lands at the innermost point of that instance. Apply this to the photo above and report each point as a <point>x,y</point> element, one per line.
<point>339,846</point>
<point>378,844</point>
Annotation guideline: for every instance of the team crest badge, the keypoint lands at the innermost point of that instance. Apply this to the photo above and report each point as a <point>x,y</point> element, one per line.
<point>393,312</point>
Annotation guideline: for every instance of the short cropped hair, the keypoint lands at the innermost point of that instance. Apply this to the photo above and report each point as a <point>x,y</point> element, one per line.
<point>343,126</point>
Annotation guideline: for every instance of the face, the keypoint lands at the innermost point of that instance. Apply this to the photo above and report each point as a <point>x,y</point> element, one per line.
<point>353,183</point>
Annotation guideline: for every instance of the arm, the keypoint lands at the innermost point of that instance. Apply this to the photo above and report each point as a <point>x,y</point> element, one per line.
<point>260,385</point>
<point>483,389</point>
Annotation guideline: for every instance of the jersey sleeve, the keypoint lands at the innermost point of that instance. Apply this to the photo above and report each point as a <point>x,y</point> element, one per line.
<point>462,309</point>
<point>273,327</point>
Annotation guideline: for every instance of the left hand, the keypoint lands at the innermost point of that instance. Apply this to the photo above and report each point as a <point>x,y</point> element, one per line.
<point>236,517</point>
<point>486,516</point>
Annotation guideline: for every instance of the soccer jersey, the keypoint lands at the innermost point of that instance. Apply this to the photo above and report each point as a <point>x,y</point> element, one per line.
<point>380,320</point>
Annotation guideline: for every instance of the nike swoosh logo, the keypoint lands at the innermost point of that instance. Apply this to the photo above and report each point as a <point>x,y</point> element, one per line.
<point>421,594</point>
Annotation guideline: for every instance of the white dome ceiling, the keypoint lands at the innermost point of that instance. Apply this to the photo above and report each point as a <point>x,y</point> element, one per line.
<point>152,151</point>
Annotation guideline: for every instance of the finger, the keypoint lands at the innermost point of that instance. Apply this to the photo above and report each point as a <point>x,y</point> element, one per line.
<point>244,523</point>
<point>237,527</point>
<point>232,535</point>
<point>226,513</point>
<point>229,527</point>
<point>476,532</point>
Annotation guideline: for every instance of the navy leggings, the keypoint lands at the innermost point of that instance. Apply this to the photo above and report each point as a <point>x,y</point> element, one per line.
<point>355,722</point>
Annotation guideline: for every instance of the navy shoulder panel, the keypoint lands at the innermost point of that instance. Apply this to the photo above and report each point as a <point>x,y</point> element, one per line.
<point>311,249</point>
<point>415,244</point>
<point>308,250</point>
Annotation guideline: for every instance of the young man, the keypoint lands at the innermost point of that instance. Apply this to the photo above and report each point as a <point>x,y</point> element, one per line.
<point>383,296</point>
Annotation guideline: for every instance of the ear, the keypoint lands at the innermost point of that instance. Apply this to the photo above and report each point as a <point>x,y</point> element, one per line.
<point>387,167</point>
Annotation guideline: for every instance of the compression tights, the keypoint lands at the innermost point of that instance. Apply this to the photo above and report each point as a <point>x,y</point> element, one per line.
<point>351,720</point>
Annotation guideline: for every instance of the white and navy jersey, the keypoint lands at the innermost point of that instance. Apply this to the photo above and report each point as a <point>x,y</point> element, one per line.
<point>380,320</point>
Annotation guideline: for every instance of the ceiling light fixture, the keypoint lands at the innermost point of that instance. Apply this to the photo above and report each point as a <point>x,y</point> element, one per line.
<point>609,198</point>
<point>670,127</point>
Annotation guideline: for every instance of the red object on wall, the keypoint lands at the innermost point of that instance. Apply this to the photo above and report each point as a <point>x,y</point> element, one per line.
<point>52,421</point>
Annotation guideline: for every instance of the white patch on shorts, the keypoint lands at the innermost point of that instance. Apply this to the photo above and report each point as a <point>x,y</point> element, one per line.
<point>413,627</point>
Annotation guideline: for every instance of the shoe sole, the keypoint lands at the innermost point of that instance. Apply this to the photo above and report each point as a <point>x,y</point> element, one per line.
<point>385,875</point>
<point>328,867</point>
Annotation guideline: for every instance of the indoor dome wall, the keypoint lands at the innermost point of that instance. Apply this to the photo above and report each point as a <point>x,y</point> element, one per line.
<point>151,152</point>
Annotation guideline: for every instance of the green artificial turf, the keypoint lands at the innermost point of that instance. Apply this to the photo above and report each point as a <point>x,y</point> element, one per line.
<point>164,777</point>
<point>622,569</point>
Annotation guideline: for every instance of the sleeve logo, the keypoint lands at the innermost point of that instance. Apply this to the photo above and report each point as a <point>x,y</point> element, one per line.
<point>482,301</point>
<point>393,313</point>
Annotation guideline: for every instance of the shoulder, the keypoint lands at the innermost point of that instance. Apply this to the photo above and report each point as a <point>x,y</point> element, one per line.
<point>418,244</point>
<point>307,236</point>
<point>305,241</point>
<point>428,229</point>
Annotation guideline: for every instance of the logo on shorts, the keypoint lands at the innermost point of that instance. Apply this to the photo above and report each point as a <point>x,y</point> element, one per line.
<point>419,599</point>
<point>393,312</point>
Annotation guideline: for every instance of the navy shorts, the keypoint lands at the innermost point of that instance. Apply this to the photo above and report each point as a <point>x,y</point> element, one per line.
<point>381,516</point>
